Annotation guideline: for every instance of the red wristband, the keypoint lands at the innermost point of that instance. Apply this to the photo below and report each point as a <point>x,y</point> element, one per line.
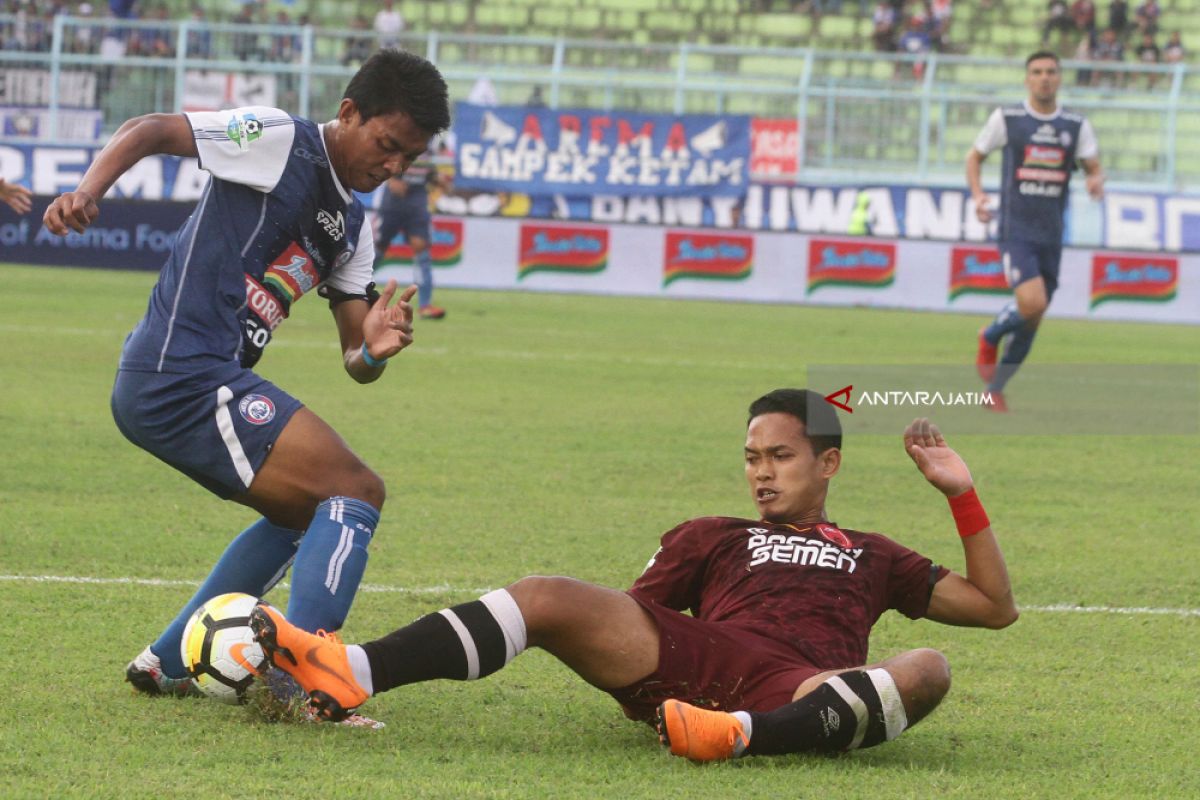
<point>968,513</point>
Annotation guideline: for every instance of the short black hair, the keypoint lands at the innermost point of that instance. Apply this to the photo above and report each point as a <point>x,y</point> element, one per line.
<point>1041,54</point>
<point>822,427</point>
<point>395,80</point>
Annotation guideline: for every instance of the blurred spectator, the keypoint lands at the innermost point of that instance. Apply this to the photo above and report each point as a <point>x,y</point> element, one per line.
<point>1108,49</point>
<point>82,36</point>
<point>389,24</point>
<point>939,14</point>
<point>1085,51</point>
<point>244,43</point>
<point>153,42</point>
<point>915,41</point>
<point>358,47</point>
<point>1118,16</point>
<point>483,93</point>
<point>1083,15</point>
<point>535,99</point>
<point>884,35</point>
<point>285,46</point>
<point>1148,53</point>
<point>1173,53</point>
<point>1147,16</point>
<point>199,40</point>
<point>122,9</point>
<point>1058,18</point>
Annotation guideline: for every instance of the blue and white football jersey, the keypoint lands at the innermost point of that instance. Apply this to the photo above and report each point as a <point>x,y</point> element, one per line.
<point>1040,153</point>
<point>273,223</point>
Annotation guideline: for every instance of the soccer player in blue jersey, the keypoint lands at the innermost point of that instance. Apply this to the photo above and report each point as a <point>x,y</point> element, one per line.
<point>405,207</point>
<point>276,220</point>
<point>1041,143</point>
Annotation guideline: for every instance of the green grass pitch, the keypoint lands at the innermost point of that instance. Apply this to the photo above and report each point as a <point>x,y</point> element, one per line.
<point>535,433</point>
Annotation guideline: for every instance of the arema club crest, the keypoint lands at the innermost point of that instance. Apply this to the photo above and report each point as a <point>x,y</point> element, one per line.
<point>257,409</point>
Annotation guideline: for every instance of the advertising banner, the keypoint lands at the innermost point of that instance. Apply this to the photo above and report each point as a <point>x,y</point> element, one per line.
<point>586,152</point>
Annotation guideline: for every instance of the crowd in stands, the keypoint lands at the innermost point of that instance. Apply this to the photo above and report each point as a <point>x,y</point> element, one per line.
<point>1076,27</point>
<point>912,26</point>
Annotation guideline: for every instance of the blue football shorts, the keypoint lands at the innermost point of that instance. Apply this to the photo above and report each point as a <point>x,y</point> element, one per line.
<point>1025,261</point>
<point>216,426</point>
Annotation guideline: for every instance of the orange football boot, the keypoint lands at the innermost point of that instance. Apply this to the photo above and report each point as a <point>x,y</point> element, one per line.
<point>317,661</point>
<point>699,734</point>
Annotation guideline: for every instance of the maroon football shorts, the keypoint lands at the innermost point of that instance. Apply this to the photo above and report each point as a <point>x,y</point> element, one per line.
<point>714,665</point>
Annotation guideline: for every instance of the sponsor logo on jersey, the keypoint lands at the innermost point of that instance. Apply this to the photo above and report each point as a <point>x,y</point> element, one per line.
<point>1045,134</point>
<point>265,304</point>
<point>1043,175</point>
<point>842,262</point>
<point>1039,156</point>
<point>310,156</point>
<point>445,247</point>
<point>561,248</point>
<point>976,270</point>
<point>801,550</point>
<point>1136,278</point>
<point>292,274</point>
<point>334,224</point>
<point>727,257</point>
<point>834,535</point>
<point>257,409</point>
<point>243,129</point>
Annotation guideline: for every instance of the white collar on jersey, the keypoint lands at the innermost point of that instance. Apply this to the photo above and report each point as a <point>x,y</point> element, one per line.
<point>1047,117</point>
<point>336,181</point>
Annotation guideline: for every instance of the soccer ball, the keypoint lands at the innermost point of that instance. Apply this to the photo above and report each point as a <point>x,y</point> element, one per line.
<point>219,650</point>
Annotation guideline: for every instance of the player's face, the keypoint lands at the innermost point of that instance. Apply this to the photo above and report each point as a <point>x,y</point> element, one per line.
<point>371,152</point>
<point>787,482</point>
<point>1042,78</point>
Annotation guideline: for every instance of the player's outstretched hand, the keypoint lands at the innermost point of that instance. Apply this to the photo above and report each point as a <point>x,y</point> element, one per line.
<point>16,196</point>
<point>983,208</point>
<point>940,465</point>
<point>1095,185</point>
<point>71,211</point>
<point>388,328</point>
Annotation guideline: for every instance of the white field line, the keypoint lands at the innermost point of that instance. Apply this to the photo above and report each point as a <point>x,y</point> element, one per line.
<point>442,589</point>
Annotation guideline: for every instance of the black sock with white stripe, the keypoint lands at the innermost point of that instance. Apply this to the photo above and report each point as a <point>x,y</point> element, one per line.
<point>851,710</point>
<point>462,643</point>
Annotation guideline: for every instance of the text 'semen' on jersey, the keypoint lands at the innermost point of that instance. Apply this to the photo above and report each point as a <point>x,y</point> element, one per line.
<point>815,587</point>
<point>1040,152</point>
<point>273,223</point>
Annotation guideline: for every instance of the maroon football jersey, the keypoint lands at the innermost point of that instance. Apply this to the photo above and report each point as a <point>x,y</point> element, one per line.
<point>815,587</point>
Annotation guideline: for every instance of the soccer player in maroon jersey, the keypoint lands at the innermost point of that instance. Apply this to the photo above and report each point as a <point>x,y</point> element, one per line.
<point>772,658</point>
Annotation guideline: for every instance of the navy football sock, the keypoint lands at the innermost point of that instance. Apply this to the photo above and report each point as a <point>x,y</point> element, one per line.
<point>1018,348</point>
<point>252,563</point>
<point>424,277</point>
<point>1007,321</point>
<point>851,710</point>
<point>330,563</point>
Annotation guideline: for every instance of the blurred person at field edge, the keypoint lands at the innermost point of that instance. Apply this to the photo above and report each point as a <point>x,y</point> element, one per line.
<point>1147,16</point>
<point>1042,144</point>
<point>1083,15</point>
<point>277,219</point>
<point>404,208</point>
<point>1058,18</point>
<point>1173,53</point>
<point>1084,52</point>
<point>772,658</point>
<point>915,41</point>
<point>884,33</point>
<point>15,196</point>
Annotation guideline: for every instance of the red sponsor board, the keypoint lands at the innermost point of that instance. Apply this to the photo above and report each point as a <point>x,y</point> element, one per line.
<point>562,248</point>
<point>976,270</point>
<point>1138,278</point>
<point>774,148</point>
<point>850,262</point>
<point>708,256</point>
<point>445,249</point>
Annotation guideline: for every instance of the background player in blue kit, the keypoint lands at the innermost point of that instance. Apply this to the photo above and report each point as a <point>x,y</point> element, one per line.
<point>1042,144</point>
<point>404,207</point>
<point>276,220</point>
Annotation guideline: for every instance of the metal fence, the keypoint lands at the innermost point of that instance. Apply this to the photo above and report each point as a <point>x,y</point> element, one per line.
<point>908,118</point>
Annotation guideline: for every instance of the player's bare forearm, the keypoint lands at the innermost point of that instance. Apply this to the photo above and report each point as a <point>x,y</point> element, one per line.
<point>152,134</point>
<point>987,572</point>
<point>975,184</point>
<point>1095,177</point>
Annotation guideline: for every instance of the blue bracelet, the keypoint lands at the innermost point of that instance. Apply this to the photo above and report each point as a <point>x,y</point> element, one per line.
<point>372,362</point>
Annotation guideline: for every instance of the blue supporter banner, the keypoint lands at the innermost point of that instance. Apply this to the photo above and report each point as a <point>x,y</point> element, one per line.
<point>584,152</point>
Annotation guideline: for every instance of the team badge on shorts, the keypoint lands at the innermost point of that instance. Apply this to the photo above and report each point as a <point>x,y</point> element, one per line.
<point>257,409</point>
